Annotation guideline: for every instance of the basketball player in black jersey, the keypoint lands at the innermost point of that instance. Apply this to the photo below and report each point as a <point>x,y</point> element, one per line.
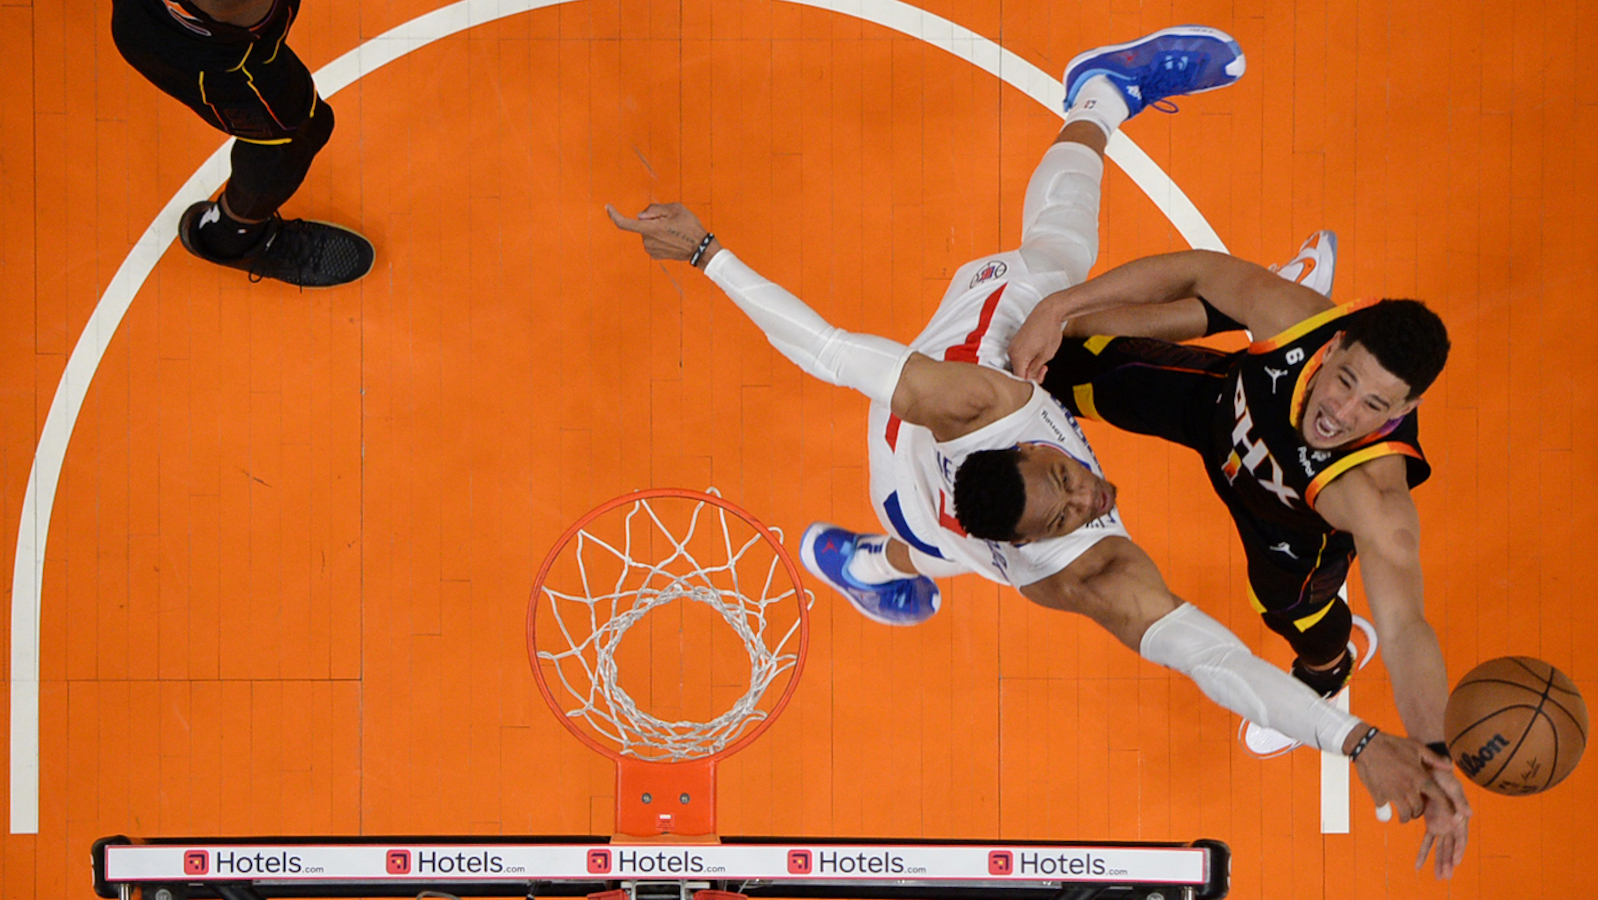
<point>228,61</point>
<point>1309,437</point>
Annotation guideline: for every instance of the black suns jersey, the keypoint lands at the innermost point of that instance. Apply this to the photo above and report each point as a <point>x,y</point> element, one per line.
<point>1258,459</point>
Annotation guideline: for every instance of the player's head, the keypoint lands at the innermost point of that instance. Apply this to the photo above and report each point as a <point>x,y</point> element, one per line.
<point>1375,370</point>
<point>1027,493</point>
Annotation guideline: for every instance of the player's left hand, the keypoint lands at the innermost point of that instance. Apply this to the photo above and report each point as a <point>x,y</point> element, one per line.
<point>1446,826</point>
<point>669,230</point>
<point>1036,341</point>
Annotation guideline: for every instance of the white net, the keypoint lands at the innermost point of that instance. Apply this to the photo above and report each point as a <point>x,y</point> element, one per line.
<point>668,556</point>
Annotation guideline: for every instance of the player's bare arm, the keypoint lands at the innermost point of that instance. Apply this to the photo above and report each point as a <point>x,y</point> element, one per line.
<point>1116,585</point>
<point>1373,503</point>
<point>948,398</point>
<point>1251,294</point>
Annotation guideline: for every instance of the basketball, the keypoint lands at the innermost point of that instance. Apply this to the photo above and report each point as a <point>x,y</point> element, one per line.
<point>1515,725</point>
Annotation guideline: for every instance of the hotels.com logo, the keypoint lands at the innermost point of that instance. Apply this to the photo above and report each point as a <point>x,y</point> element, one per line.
<point>196,862</point>
<point>799,862</point>
<point>598,862</point>
<point>1000,862</point>
<point>398,862</point>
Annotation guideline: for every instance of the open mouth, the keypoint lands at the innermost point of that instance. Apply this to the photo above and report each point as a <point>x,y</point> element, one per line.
<point>1325,428</point>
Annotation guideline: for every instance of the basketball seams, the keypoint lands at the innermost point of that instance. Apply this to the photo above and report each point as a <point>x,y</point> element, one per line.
<point>1467,729</point>
<point>1515,750</point>
<point>1501,681</point>
<point>1574,722</point>
<point>1521,661</point>
<point>1493,708</point>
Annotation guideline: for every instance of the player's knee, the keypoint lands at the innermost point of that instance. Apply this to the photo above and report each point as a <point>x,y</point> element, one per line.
<point>314,132</point>
<point>1321,641</point>
<point>1071,254</point>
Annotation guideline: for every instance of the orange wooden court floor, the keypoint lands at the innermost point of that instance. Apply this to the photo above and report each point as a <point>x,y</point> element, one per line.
<point>290,554</point>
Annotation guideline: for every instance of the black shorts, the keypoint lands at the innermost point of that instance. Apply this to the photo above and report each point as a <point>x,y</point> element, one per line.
<point>255,90</point>
<point>1174,391</point>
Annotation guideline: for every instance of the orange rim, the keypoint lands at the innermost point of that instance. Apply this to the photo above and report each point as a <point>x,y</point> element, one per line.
<point>684,494</point>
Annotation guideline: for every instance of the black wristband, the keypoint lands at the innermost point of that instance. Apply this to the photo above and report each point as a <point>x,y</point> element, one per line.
<point>703,245</point>
<point>1439,748</point>
<point>1353,755</point>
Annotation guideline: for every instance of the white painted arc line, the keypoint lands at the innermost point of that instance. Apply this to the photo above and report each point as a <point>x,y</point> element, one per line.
<point>50,456</point>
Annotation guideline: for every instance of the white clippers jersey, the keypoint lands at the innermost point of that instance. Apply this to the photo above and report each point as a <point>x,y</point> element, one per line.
<point>912,475</point>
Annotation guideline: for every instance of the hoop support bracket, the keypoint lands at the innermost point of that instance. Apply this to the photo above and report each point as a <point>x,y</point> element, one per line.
<point>655,798</point>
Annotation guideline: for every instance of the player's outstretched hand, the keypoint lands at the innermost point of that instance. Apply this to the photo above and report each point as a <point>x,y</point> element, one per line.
<point>1446,824</point>
<point>1418,782</point>
<point>669,230</point>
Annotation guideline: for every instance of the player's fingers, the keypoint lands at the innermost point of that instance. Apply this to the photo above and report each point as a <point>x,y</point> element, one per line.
<point>1026,366</point>
<point>1449,854</point>
<point>659,210</point>
<point>1425,849</point>
<point>1021,361</point>
<point>622,222</point>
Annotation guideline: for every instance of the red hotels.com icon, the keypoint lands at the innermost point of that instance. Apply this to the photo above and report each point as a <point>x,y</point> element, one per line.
<point>398,862</point>
<point>196,862</point>
<point>1000,862</point>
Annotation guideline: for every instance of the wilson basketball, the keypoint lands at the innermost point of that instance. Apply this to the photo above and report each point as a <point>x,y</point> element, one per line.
<point>1515,725</point>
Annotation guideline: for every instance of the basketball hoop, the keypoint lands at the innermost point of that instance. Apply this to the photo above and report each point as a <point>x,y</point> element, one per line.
<point>627,634</point>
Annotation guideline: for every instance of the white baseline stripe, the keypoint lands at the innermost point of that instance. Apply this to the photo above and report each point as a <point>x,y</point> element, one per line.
<point>39,500</point>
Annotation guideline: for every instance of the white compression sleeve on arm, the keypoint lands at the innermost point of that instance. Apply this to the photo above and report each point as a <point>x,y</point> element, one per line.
<point>865,362</point>
<point>1189,641</point>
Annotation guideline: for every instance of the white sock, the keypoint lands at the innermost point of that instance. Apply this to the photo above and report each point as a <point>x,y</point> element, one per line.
<point>870,565</point>
<point>1099,102</point>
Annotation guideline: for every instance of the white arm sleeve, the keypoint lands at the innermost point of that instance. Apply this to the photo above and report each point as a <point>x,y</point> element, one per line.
<point>1189,641</point>
<point>865,362</point>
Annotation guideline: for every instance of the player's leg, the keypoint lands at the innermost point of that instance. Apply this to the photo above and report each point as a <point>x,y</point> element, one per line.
<point>1104,87</point>
<point>1294,584</point>
<point>259,92</point>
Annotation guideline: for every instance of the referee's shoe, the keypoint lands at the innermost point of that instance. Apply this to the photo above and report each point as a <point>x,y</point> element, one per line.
<point>302,252</point>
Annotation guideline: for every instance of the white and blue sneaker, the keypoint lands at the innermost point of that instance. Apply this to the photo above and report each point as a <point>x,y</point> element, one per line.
<point>1188,59</point>
<point>1315,265</point>
<point>826,551</point>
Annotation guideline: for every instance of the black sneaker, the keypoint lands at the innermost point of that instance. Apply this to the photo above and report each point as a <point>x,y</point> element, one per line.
<point>301,252</point>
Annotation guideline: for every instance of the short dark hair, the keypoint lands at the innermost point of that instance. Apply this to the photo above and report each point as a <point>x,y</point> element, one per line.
<point>1406,338</point>
<point>989,494</point>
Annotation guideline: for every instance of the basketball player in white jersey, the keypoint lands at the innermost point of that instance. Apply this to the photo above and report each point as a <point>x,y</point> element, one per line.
<point>939,403</point>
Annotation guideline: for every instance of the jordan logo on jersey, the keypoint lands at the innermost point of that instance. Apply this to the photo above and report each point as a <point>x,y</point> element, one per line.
<point>1275,374</point>
<point>1248,453</point>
